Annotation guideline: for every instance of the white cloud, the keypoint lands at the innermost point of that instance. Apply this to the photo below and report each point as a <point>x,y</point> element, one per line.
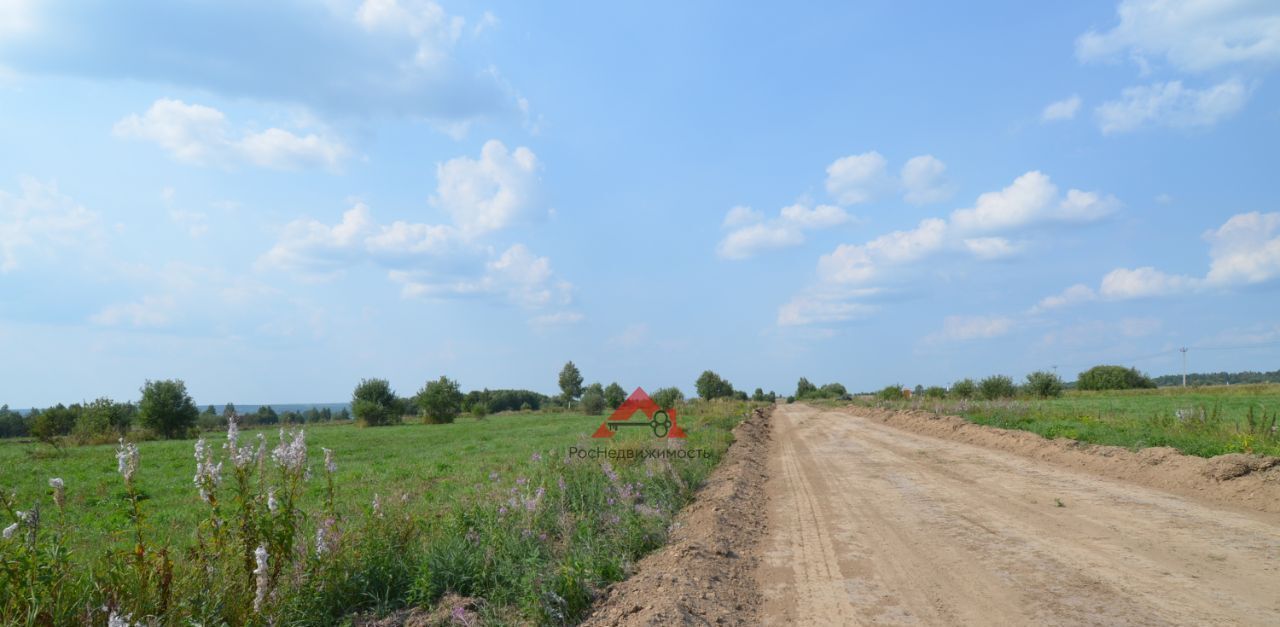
<point>487,21</point>
<point>1193,36</point>
<point>741,216</point>
<point>1032,198</point>
<point>857,178</point>
<point>806,310</point>
<point>41,220</point>
<point>1061,110</point>
<point>991,248</point>
<point>17,17</point>
<point>1245,250</point>
<point>752,236</point>
<point>150,311</point>
<point>310,246</point>
<point>517,275</point>
<point>1078,293</point>
<point>434,30</point>
<point>201,135</point>
<point>1171,104</point>
<point>195,223</point>
<point>491,193</point>
<point>924,181</point>
<point>964,328</point>
<point>559,318</point>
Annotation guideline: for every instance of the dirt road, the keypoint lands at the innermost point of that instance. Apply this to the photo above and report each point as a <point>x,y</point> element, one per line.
<point>868,524</point>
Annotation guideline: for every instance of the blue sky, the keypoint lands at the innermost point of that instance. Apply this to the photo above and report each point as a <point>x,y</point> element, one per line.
<point>271,203</point>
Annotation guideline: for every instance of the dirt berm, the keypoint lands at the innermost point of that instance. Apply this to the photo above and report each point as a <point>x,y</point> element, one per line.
<point>705,573</point>
<point>1248,481</point>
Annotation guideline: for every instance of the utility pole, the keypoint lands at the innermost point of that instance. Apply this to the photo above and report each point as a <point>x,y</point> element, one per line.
<point>1184,365</point>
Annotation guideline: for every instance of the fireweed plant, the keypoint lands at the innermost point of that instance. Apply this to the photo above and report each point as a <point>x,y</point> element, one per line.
<point>532,545</point>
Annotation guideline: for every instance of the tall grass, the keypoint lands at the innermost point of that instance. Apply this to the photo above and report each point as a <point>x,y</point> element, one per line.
<point>533,541</point>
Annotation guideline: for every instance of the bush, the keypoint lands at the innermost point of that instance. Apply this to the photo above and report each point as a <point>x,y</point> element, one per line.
<point>1044,384</point>
<point>53,423</point>
<point>934,391</point>
<point>668,397</point>
<point>711,386</point>
<point>890,393</point>
<point>593,401</point>
<point>103,420</point>
<point>996,386</point>
<point>167,409</point>
<point>439,401</point>
<point>964,388</point>
<point>374,403</point>
<point>804,388</point>
<point>1113,378</point>
<point>833,390</point>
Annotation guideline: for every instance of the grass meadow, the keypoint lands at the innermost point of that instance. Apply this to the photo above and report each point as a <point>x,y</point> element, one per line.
<point>1202,421</point>
<point>489,509</point>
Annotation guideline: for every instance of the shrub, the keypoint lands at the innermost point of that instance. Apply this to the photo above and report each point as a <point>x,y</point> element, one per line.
<point>166,408</point>
<point>996,386</point>
<point>103,420</point>
<point>1113,378</point>
<point>593,401</point>
<point>53,423</point>
<point>964,388</point>
<point>479,410</point>
<point>934,391</point>
<point>890,393</point>
<point>668,397</point>
<point>374,403</point>
<point>439,401</point>
<point>711,386</point>
<point>1044,384</point>
<point>833,390</point>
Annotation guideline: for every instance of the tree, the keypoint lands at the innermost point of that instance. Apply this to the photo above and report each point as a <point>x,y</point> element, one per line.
<point>890,392</point>
<point>374,403</point>
<point>711,386</point>
<point>758,395</point>
<point>804,389</point>
<point>667,397</point>
<point>996,386</point>
<point>103,418</point>
<point>833,390</point>
<point>1113,378</point>
<point>1044,384</point>
<point>570,382</point>
<point>439,401</point>
<point>53,423</point>
<point>964,388</point>
<point>229,410</point>
<point>593,401</point>
<point>166,408</point>
<point>614,395</point>
<point>934,391</point>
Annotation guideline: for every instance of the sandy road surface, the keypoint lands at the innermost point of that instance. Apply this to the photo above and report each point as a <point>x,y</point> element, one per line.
<point>868,524</point>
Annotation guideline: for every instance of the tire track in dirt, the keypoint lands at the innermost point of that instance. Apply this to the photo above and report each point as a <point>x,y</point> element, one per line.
<point>923,530</point>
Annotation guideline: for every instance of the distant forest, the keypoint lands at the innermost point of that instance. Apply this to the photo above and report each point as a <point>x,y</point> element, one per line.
<point>1219,378</point>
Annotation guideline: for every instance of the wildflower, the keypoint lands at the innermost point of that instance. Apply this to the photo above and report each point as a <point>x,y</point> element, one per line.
<point>542,537</point>
<point>537,457</point>
<point>472,536</point>
<point>59,491</point>
<point>240,456</point>
<point>502,510</point>
<point>127,459</point>
<point>377,505</point>
<point>9,531</point>
<point>560,483</point>
<point>526,533</point>
<point>329,466</point>
<point>323,533</point>
<point>116,620</point>
<point>532,504</point>
<point>609,471</point>
<point>493,476</point>
<point>272,504</point>
<point>291,453</point>
<point>521,481</point>
<point>208,475</point>
<point>263,578</point>
<point>645,510</point>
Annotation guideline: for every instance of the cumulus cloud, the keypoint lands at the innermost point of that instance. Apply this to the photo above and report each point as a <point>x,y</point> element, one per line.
<point>517,275</point>
<point>992,247</point>
<point>1191,36</point>
<point>380,57</point>
<point>807,310</point>
<point>1172,105</point>
<point>750,235</point>
<point>40,221</point>
<point>489,193</point>
<point>1061,110</point>
<point>923,180</point>
<point>1244,251</point>
<point>857,178</point>
<point>202,135</point>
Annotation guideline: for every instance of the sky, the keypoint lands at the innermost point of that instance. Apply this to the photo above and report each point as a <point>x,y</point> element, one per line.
<point>271,201</point>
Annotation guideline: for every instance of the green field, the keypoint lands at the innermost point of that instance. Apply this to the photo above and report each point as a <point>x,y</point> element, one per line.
<point>1202,421</point>
<point>445,487</point>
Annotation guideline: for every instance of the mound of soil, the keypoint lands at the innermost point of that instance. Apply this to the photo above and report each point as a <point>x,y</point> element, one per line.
<point>1249,481</point>
<point>705,574</point>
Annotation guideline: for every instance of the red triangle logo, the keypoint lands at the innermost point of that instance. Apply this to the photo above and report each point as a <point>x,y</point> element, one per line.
<point>639,401</point>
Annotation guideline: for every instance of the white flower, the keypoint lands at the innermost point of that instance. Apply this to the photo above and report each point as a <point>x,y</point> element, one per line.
<point>272,504</point>
<point>240,456</point>
<point>377,505</point>
<point>59,491</point>
<point>263,578</point>
<point>291,453</point>
<point>9,531</point>
<point>329,466</point>
<point>116,620</point>
<point>127,459</point>
<point>208,475</point>
<point>323,533</point>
